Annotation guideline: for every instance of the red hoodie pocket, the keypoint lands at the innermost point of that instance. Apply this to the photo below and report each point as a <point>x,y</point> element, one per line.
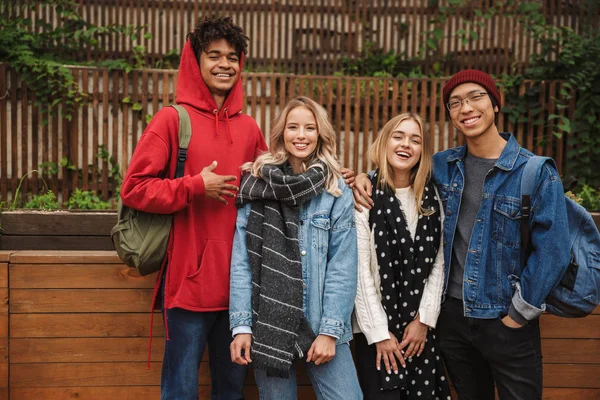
<point>209,284</point>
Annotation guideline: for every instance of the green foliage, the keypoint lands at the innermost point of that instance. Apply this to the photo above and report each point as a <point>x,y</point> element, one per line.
<point>86,200</point>
<point>573,58</point>
<point>39,56</point>
<point>373,61</point>
<point>589,197</point>
<point>46,201</point>
<point>79,199</point>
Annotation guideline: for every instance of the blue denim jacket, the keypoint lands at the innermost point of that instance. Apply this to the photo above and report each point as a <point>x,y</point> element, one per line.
<point>329,265</point>
<point>494,278</point>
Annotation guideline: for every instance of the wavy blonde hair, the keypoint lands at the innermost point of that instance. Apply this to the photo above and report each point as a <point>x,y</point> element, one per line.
<point>421,172</point>
<point>325,151</point>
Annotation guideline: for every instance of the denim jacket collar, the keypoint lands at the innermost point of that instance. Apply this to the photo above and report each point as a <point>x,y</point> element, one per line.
<point>507,159</point>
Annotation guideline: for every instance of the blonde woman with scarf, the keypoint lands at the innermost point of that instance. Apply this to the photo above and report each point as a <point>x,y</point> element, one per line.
<point>294,261</point>
<point>400,269</point>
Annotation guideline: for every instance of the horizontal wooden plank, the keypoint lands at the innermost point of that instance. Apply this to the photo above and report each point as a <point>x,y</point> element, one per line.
<point>64,257</point>
<point>56,242</point>
<point>597,311</point>
<point>5,255</point>
<point>570,328</point>
<point>79,300</point>
<point>570,394</point>
<point>57,350</point>
<point>572,376</point>
<point>78,276</point>
<point>87,374</point>
<point>84,325</point>
<point>576,351</point>
<point>4,275</point>
<point>58,223</point>
<point>126,393</point>
<point>87,393</point>
<point>38,375</point>
<point>84,350</point>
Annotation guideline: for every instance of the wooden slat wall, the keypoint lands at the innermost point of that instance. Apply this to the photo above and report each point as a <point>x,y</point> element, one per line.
<point>312,37</point>
<point>79,328</point>
<point>359,107</point>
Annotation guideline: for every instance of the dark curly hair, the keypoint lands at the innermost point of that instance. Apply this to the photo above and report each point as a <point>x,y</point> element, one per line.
<point>213,28</point>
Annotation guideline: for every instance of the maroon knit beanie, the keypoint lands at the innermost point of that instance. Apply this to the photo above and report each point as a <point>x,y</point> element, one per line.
<point>475,76</point>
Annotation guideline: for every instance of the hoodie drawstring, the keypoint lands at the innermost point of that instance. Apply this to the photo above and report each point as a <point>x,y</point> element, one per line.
<point>216,112</point>
<point>228,126</point>
<point>226,112</point>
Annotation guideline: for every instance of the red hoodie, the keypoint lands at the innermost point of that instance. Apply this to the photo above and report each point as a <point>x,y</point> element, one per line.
<point>199,251</point>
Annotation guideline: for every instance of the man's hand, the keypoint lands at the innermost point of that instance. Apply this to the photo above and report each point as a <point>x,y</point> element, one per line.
<point>348,176</point>
<point>215,186</point>
<point>241,344</point>
<point>414,337</point>
<point>362,190</point>
<point>388,350</point>
<point>322,350</point>
<point>511,323</point>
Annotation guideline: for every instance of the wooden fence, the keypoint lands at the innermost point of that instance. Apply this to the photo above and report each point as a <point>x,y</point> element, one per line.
<point>79,328</point>
<point>312,37</point>
<point>117,106</point>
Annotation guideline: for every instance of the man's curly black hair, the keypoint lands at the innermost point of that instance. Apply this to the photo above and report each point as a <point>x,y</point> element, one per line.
<point>214,28</point>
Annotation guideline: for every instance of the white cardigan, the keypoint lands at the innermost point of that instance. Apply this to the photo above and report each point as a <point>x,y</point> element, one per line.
<point>369,316</point>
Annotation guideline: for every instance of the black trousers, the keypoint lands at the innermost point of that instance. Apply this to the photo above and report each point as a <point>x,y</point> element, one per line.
<point>368,376</point>
<point>481,352</point>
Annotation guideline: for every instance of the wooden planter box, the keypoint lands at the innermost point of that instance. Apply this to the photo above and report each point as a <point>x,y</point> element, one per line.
<point>57,230</point>
<point>68,229</point>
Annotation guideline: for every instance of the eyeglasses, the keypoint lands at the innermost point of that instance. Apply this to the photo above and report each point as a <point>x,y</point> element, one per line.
<point>473,98</point>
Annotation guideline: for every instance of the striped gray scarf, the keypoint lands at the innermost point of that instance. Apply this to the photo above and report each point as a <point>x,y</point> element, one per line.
<point>280,330</point>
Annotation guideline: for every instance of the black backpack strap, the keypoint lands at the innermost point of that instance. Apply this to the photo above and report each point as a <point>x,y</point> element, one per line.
<point>185,134</point>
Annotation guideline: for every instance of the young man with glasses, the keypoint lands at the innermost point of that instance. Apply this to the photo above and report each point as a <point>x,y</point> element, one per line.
<point>488,330</point>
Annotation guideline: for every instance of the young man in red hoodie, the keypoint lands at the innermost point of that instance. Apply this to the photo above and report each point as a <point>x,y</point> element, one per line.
<point>195,282</point>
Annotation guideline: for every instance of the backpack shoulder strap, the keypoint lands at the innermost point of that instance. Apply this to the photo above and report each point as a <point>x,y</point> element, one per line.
<point>185,134</point>
<point>529,179</point>
<point>530,174</point>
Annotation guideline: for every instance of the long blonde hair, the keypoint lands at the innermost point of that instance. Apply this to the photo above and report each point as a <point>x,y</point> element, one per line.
<point>325,151</point>
<point>421,172</point>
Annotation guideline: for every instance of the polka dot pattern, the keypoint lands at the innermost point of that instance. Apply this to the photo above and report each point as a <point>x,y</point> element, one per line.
<point>404,265</point>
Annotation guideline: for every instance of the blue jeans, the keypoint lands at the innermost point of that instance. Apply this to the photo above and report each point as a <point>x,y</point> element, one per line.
<point>331,381</point>
<point>188,334</point>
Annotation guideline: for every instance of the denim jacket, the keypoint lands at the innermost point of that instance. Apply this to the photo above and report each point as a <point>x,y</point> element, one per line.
<point>329,256</point>
<point>495,279</point>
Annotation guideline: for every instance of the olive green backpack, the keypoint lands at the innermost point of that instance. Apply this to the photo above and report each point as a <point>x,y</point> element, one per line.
<point>141,238</point>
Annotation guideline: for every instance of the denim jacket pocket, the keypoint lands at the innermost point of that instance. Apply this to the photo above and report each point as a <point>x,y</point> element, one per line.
<point>507,221</point>
<point>320,235</point>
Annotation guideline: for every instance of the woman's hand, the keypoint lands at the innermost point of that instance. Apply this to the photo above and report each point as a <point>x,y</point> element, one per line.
<point>362,190</point>
<point>322,350</point>
<point>414,337</point>
<point>348,176</point>
<point>240,348</point>
<point>388,350</point>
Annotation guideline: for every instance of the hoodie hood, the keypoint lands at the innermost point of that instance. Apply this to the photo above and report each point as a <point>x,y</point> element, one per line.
<point>192,90</point>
